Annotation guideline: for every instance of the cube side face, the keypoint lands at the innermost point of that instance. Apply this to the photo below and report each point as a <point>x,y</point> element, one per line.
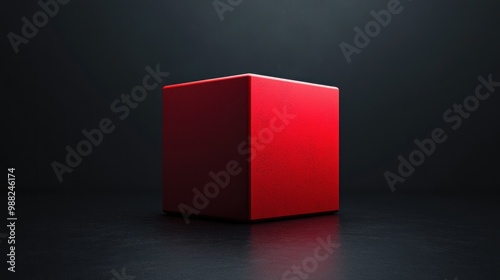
<point>294,167</point>
<point>203,124</point>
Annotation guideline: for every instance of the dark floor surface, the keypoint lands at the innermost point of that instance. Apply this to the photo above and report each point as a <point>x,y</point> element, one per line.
<point>68,235</point>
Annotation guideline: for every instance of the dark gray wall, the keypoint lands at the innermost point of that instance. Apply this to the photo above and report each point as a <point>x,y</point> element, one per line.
<point>394,91</point>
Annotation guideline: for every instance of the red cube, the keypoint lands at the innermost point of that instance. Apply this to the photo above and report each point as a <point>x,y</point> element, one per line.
<point>250,147</point>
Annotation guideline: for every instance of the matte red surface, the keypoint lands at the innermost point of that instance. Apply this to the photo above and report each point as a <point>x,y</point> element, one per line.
<point>289,166</point>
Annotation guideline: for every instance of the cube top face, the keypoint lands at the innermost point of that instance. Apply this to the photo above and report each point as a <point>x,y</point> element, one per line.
<point>250,147</point>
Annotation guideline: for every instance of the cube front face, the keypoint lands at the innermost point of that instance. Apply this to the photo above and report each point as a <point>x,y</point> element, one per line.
<point>296,127</point>
<point>270,145</point>
<point>203,124</point>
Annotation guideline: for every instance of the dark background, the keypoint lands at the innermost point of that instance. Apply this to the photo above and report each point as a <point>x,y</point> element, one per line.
<point>392,93</point>
<point>395,91</point>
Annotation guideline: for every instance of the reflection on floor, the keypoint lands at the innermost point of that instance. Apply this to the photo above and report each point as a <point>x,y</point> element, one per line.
<point>374,236</point>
